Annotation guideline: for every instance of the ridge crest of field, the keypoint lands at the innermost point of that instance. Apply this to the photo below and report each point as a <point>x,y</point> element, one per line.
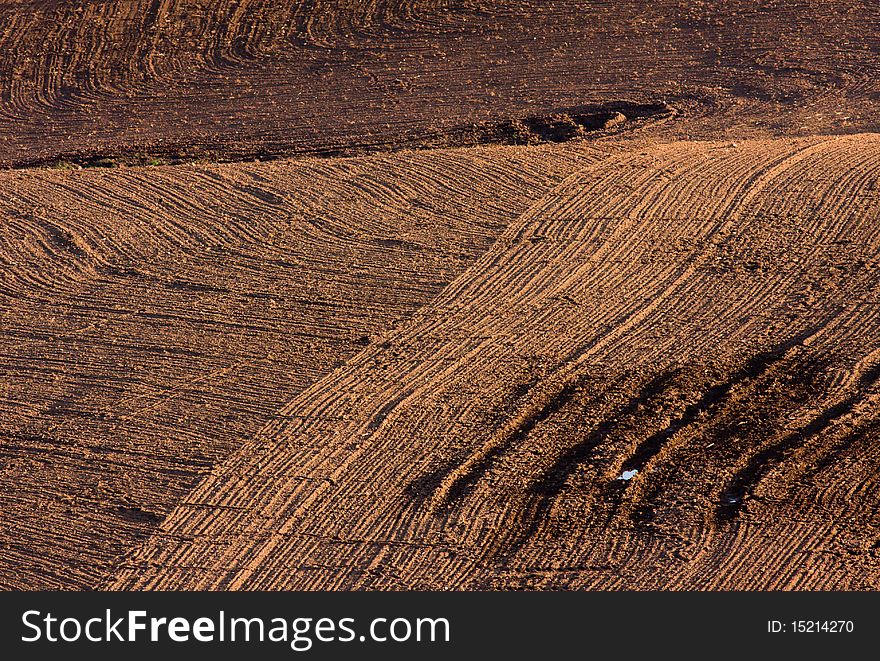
<point>565,125</point>
<point>265,76</point>
<point>668,329</point>
<point>155,318</point>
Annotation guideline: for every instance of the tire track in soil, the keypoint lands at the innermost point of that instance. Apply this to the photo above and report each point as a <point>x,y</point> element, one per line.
<point>746,479</point>
<point>549,485</point>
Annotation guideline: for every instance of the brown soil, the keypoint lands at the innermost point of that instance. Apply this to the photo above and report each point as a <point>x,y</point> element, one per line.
<point>602,314</point>
<point>155,318</point>
<point>182,79</point>
<point>704,314</point>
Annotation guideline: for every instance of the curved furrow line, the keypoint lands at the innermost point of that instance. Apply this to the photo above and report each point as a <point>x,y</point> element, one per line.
<point>452,486</point>
<point>73,58</point>
<point>856,410</point>
<point>857,436</point>
<point>248,229</point>
<point>700,258</point>
<point>532,285</point>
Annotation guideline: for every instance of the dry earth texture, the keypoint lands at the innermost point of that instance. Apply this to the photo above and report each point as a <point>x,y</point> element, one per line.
<point>154,318</point>
<point>704,314</point>
<point>645,357</point>
<point>170,79</point>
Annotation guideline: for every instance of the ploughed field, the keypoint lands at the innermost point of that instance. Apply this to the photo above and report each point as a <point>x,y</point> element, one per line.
<point>156,318</point>
<point>439,295</point>
<point>224,79</point>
